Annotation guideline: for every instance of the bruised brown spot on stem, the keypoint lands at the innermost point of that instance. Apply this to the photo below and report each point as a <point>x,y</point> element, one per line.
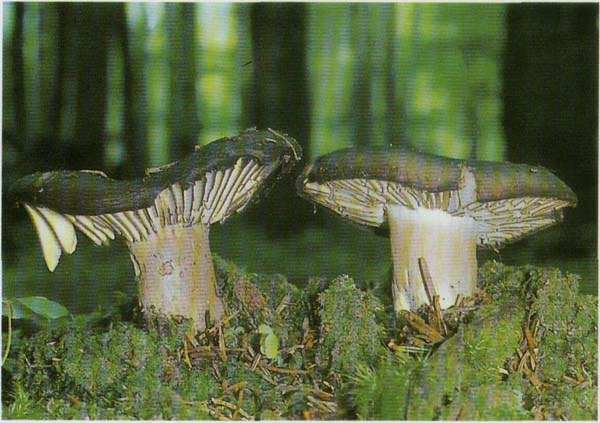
<point>166,268</point>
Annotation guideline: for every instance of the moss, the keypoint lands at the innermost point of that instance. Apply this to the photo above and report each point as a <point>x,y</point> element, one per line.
<point>553,303</point>
<point>584,334</point>
<point>567,343</point>
<point>349,331</point>
<point>564,324</point>
<point>22,405</point>
<point>466,369</point>
<point>470,375</point>
<point>500,281</point>
<point>123,372</point>
<point>330,362</point>
<point>499,401</point>
<point>262,299</point>
<point>382,393</point>
<point>102,369</point>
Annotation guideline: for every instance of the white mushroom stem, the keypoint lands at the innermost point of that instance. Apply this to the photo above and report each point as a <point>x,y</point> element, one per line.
<point>448,245</point>
<point>175,273</point>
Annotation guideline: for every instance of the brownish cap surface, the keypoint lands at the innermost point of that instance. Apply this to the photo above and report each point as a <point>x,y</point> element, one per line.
<point>211,184</point>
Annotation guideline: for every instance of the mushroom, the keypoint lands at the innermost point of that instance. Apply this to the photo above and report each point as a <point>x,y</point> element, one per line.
<point>435,210</point>
<point>164,217</point>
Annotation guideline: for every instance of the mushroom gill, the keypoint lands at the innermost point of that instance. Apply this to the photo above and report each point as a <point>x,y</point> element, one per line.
<point>164,217</point>
<point>436,210</point>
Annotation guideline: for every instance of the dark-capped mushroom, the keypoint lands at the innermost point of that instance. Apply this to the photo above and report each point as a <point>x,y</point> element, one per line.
<point>164,217</point>
<point>436,211</point>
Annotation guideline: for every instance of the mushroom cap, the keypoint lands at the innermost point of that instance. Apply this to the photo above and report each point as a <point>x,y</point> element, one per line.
<point>91,192</point>
<point>507,200</point>
<point>208,186</point>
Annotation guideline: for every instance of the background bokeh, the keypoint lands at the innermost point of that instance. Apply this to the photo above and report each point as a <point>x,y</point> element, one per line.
<point>121,87</point>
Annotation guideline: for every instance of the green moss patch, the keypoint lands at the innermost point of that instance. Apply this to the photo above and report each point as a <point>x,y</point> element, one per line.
<point>528,351</point>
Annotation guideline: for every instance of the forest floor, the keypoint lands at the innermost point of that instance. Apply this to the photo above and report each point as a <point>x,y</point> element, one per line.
<point>524,348</point>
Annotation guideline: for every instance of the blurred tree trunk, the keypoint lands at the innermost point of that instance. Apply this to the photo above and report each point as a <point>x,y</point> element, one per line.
<point>374,108</point>
<point>281,97</point>
<point>393,116</point>
<point>40,84</point>
<point>407,52</point>
<point>362,93</point>
<point>244,65</point>
<point>550,80</point>
<point>155,62</point>
<point>330,67</point>
<point>183,116</point>
<point>18,71</point>
<point>91,23</point>
<point>57,92</point>
<point>49,72</point>
<point>134,113</point>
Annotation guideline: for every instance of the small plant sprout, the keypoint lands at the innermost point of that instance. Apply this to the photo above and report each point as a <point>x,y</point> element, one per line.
<point>28,308</point>
<point>164,217</point>
<point>269,342</point>
<point>435,210</point>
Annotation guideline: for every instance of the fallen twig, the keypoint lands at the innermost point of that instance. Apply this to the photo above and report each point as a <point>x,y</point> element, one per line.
<point>427,279</point>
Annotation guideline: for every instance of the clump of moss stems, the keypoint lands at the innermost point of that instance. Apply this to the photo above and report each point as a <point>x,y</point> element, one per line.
<point>329,350</point>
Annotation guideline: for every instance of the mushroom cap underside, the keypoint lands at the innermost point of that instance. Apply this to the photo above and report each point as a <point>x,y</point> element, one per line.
<point>208,186</point>
<point>507,201</point>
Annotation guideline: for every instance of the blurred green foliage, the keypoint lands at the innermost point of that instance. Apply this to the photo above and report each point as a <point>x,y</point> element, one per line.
<point>428,75</point>
<point>160,78</point>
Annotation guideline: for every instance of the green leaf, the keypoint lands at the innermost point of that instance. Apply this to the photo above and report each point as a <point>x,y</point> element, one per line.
<point>265,329</point>
<point>269,342</point>
<point>269,346</point>
<point>15,310</point>
<point>41,306</point>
